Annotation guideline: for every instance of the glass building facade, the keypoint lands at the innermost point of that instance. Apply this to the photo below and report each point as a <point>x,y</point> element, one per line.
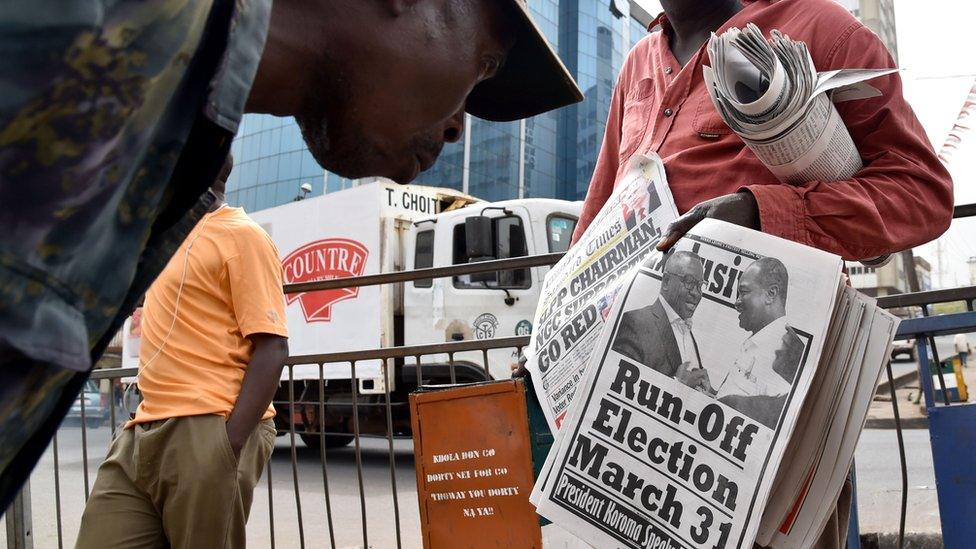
<point>550,156</point>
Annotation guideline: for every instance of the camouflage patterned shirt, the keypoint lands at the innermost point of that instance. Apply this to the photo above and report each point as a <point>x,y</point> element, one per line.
<point>115,117</point>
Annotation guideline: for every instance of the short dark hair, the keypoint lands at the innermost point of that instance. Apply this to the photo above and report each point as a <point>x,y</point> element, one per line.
<point>772,272</point>
<point>677,255</point>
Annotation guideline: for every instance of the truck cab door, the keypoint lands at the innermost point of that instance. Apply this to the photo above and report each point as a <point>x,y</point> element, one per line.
<point>491,305</point>
<point>479,307</point>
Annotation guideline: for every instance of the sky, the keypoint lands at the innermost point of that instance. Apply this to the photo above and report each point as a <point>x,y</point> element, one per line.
<point>937,52</point>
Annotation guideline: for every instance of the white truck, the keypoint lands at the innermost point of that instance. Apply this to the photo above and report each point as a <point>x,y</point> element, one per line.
<point>383,227</point>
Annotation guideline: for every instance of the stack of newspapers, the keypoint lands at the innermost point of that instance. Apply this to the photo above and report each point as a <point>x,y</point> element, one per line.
<point>708,397</point>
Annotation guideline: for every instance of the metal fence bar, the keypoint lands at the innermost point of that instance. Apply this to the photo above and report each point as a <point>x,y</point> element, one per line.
<point>938,370</point>
<point>359,455</point>
<point>270,505</point>
<point>938,363</point>
<point>920,299</point>
<point>111,407</point>
<point>484,355</point>
<point>113,373</point>
<point>20,533</point>
<point>57,492</point>
<point>294,456</point>
<point>411,350</point>
<point>496,265</point>
<point>389,438</point>
<point>450,357</point>
<point>964,210</point>
<point>84,443</point>
<point>417,367</point>
<point>322,458</point>
<point>901,455</point>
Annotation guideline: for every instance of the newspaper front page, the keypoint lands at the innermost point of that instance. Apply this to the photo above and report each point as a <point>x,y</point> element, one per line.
<point>579,291</point>
<point>692,393</point>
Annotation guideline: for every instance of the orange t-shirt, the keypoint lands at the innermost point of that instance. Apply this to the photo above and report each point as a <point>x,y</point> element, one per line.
<point>231,281</point>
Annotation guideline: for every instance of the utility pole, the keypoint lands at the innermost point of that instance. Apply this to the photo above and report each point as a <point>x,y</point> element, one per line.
<point>908,262</point>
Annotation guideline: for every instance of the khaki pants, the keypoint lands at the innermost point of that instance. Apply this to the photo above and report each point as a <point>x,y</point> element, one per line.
<point>175,483</point>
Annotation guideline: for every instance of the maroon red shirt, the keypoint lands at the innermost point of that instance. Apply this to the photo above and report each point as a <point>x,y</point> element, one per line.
<point>901,198</point>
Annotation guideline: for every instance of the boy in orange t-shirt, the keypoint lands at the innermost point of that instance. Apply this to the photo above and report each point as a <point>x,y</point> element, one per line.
<point>214,341</point>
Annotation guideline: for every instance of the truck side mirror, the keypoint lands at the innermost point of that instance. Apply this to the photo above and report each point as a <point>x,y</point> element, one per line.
<point>480,244</point>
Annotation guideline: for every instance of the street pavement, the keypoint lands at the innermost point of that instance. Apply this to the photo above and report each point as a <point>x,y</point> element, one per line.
<point>878,471</point>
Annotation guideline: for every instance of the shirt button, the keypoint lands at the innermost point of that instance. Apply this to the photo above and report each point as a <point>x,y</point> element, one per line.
<point>667,70</point>
<point>668,112</point>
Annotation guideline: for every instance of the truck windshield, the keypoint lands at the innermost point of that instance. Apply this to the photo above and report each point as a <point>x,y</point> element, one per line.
<point>559,232</point>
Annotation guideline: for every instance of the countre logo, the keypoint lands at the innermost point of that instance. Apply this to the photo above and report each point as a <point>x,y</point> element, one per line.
<point>324,260</point>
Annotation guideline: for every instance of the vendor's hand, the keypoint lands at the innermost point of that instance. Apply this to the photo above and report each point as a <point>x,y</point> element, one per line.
<point>692,378</point>
<point>739,208</point>
<point>518,368</point>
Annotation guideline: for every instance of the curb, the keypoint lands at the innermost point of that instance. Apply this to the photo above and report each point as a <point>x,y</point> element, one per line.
<point>883,393</point>
<point>912,541</point>
<point>889,423</point>
<point>899,381</point>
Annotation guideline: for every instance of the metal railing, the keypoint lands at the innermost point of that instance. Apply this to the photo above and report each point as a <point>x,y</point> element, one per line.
<point>21,535</point>
<point>924,330</point>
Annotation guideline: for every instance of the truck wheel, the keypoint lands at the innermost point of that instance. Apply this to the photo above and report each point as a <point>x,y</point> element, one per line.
<point>331,441</point>
<point>93,423</point>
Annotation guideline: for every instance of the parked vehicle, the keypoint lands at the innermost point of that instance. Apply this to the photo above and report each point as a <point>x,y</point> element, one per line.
<point>96,407</point>
<point>382,228</point>
<point>903,347</point>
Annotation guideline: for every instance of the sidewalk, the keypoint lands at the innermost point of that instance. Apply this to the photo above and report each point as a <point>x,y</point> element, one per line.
<point>908,391</point>
<point>879,467</point>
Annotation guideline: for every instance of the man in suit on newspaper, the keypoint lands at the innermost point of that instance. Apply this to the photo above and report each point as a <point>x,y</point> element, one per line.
<point>660,335</point>
<point>763,372</point>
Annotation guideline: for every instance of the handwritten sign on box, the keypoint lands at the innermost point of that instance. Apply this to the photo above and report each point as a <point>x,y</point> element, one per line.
<point>474,466</point>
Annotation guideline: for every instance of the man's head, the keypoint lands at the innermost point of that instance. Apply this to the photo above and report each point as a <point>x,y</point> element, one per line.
<point>378,86</point>
<point>762,294</point>
<point>682,283</point>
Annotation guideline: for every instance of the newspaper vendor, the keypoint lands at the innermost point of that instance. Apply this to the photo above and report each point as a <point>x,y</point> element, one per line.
<point>900,199</point>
